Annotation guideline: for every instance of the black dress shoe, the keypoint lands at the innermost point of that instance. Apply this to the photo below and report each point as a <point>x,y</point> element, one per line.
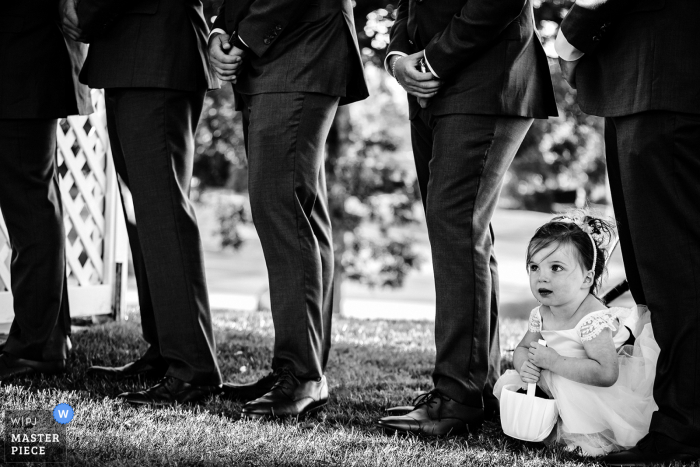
<point>491,410</point>
<point>248,391</point>
<point>11,366</point>
<point>170,391</point>
<point>289,397</point>
<point>435,415</point>
<point>150,368</point>
<point>654,448</point>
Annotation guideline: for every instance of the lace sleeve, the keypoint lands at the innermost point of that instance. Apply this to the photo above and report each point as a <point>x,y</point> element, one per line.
<point>592,325</point>
<point>534,324</point>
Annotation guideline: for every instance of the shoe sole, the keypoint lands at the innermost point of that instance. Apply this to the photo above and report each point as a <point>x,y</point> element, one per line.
<point>121,376</point>
<point>313,408</point>
<point>467,430</point>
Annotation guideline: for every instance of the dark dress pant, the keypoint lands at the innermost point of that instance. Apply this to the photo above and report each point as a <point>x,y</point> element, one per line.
<point>31,206</point>
<point>152,139</point>
<point>654,168</point>
<point>461,161</point>
<point>285,141</point>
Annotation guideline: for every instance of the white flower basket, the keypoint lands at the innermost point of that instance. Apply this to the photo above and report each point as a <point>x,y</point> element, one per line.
<point>526,417</point>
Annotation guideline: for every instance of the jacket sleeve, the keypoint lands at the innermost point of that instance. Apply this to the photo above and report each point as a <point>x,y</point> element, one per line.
<point>399,40</point>
<point>587,22</point>
<point>220,22</point>
<point>474,29</point>
<point>77,51</point>
<point>95,15</point>
<point>266,20</point>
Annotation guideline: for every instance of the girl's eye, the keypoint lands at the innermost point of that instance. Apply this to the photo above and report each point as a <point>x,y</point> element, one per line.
<point>532,268</point>
<point>557,268</point>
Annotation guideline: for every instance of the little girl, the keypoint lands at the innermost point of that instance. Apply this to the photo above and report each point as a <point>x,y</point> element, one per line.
<point>599,374</point>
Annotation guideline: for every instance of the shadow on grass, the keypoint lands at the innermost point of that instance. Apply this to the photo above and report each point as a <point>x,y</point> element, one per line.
<point>373,365</point>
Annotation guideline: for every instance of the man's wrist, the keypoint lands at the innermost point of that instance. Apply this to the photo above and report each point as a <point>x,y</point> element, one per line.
<point>215,32</point>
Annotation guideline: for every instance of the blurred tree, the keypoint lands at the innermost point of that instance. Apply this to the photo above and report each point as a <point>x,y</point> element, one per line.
<point>372,192</point>
<point>561,160</point>
<point>220,151</point>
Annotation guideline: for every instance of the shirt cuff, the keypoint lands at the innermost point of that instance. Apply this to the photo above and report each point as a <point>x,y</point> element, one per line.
<point>425,57</point>
<point>565,50</point>
<point>215,31</point>
<point>386,60</point>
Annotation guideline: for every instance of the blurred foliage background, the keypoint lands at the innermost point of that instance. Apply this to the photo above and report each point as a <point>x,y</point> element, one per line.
<point>373,196</point>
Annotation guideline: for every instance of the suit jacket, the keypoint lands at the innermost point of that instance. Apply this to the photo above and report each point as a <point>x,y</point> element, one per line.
<point>146,44</point>
<point>38,67</point>
<point>297,46</point>
<point>640,55</point>
<point>487,52</point>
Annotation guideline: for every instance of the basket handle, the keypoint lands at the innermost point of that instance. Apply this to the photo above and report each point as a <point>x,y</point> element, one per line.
<point>532,386</point>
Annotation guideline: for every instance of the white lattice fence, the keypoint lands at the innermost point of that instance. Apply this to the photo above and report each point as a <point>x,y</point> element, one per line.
<point>95,235</point>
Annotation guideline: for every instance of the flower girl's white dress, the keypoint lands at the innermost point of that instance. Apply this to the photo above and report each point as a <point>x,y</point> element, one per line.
<point>596,419</point>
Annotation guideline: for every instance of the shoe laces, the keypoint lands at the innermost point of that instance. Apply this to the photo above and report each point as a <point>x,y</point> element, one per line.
<point>166,382</point>
<point>429,399</point>
<point>285,379</point>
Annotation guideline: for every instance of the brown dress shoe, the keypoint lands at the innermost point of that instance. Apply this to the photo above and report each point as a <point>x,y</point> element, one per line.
<point>289,397</point>
<point>435,415</point>
<point>248,391</point>
<point>150,368</point>
<point>654,448</point>
<point>170,391</point>
<point>11,366</point>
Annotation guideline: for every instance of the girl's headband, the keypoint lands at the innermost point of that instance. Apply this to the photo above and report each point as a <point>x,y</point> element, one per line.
<point>580,225</point>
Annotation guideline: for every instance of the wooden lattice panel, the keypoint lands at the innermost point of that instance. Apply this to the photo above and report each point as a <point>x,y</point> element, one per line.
<point>5,256</point>
<point>96,241</point>
<point>82,149</point>
<point>82,157</point>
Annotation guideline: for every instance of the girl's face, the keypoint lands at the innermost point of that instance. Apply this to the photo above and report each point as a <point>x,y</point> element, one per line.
<point>557,277</point>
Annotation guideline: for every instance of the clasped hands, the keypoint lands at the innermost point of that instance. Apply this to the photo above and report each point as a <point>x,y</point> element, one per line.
<point>540,357</point>
<point>225,58</point>
<point>419,84</point>
<point>69,20</point>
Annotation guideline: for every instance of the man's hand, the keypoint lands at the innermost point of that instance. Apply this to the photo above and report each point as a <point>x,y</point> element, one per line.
<point>69,20</point>
<point>568,71</point>
<point>529,373</point>
<point>542,356</point>
<point>225,58</point>
<point>421,85</point>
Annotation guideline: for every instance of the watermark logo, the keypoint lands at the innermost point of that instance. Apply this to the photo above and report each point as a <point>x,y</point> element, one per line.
<point>35,435</point>
<point>63,413</point>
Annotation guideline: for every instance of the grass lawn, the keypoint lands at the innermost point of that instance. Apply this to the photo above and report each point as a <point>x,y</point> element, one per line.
<point>375,364</point>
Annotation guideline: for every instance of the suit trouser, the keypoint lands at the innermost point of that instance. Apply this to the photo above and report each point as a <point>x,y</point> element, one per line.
<point>461,161</point>
<point>285,140</point>
<point>31,206</point>
<point>152,138</point>
<point>654,168</point>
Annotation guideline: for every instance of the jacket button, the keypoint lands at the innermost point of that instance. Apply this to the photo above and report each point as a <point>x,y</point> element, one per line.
<point>267,41</point>
<point>595,38</point>
<point>278,28</point>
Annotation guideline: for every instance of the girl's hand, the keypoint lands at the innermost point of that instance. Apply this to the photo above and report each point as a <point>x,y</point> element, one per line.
<point>529,373</point>
<point>542,356</point>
